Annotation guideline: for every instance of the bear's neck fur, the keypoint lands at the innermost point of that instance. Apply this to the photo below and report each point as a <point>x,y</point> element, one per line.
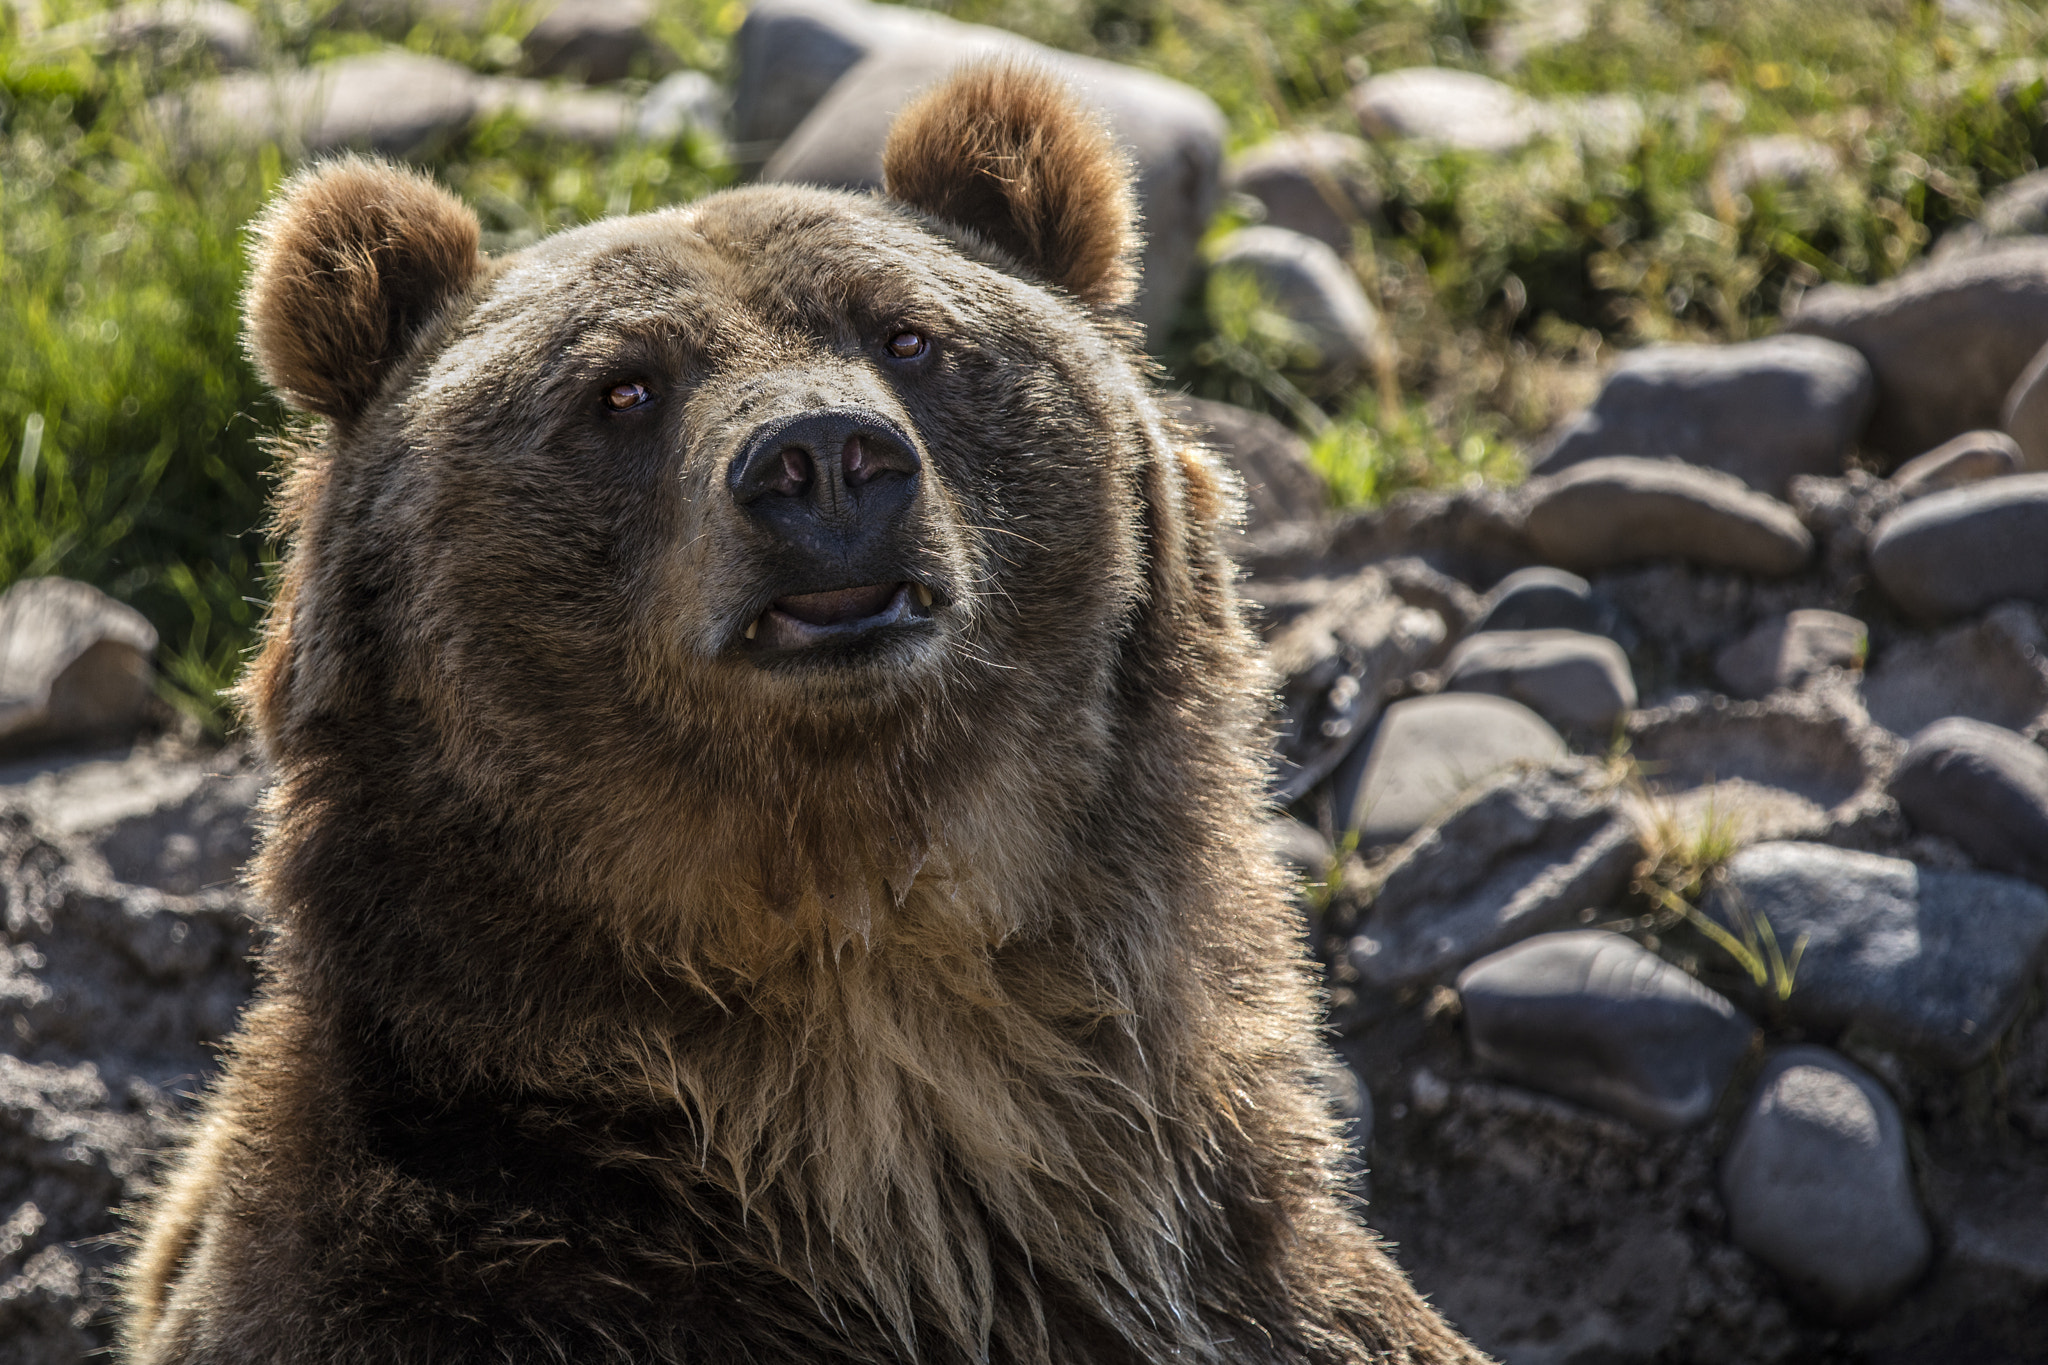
<point>955,1067</point>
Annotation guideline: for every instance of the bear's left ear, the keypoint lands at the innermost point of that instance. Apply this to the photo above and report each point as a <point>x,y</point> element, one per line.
<point>352,261</point>
<point>1006,151</point>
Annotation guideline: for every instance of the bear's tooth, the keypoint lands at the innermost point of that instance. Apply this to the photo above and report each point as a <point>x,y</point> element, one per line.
<point>924,594</point>
<point>753,627</point>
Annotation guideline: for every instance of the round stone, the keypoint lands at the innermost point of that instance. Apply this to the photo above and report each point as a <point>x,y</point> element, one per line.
<point>1620,510</point>
<point>1307,283</point>
<point>1955,553</point>
<point>1982,786</point>
<point>1578,682</point>
<point>1819,1188</point>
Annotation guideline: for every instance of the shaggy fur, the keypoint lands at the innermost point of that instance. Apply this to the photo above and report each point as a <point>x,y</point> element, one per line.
<point>635,995</point>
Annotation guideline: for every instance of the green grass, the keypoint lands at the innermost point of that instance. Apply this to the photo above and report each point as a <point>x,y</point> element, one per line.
<point>133,433</point>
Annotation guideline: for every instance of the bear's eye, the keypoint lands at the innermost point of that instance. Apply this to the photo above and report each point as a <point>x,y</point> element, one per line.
<point>908,345</point>
<point>626,396</point>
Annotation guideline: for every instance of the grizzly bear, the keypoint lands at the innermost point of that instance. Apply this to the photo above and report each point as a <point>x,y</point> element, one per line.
<point>765,856</point>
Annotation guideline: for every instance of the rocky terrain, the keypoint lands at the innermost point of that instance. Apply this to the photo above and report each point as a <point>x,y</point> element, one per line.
<point>1673,827</point>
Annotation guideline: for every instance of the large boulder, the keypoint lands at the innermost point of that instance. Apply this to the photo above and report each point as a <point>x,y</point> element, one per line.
<point>74,665</point>
<point>1173,134</point>
<point>1819,1186</point>
<point>1621,510</point>
<point>1955,553</point>
<point>1596,1018</point>
<point>1763,411</point>
<point>595,40</point>
<point>1311,287</point>
<point>1946,341</point>
<point>1934,962</point>
<point>1460,110</point>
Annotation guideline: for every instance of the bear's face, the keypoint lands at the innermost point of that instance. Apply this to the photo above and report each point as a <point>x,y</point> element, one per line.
<point>759,531</point>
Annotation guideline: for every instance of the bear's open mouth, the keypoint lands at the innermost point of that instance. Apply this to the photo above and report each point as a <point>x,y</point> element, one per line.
<point>803,620</point>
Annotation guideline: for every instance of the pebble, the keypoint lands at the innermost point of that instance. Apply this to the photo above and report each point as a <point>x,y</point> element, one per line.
<point>1578,682</point>
<point>595,41</point>
<point>1990,670</point>
<point>1982,786</point>
<point>74,665</point>
<point>1426,752</point>
<point>1973,457</point>
<point>1955,553</point>
<point>1459,110</point>
<point>1783,651</point>
<point>1522,854</point>
<point>1619,510</point>
<point>1934,962</point>
<point>1818,1185</point>
<point>2026,413</point>
<point>1319,184</point>
<point>1172,133</point>
<point>1281,483</point>
<point>1774,161</point>
<point>1763,411</point>
<point>1594,1017</point>
<point>1542,598</point>
<point>1308,284</point>
<point>1946,341</point>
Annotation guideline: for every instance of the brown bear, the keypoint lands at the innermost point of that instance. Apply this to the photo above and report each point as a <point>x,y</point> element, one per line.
<point>765,859</point>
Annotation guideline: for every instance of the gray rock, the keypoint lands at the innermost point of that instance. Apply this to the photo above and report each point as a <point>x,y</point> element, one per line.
<point>595,118</point>
<point>1955,553</point>
<point>595,40</point>
<point>1786,650</point>
<point>677,103</point>
<point>1580,683</point>
<point>393,102</point>
<point>1774,161</point>
<point>1933,962</point>
<point>1982,786</point>
<point>1990,670</point>
<point>1522,854</point>
<point>789,53</point>
<point>1173,135</point>
<point>1595,1018</point>
<point>1337,658</point>
<point>2025,414</point>
<point>1528,26</point>
<point>1281,484</point>
<point>1798,765</point>
<point>1542,598</point>
<point>1300,848</point>
<point>2018,208</point>
<point>1946,341</point>
<point>74,665</point>
<point>169,30</point>
<point>1316,183</point>
<point>1310,286</point>
<point>1994,1228</point>
<point>1973,457</point>
<point>1619,510</point>
<point>1427,752</point>
<point>1455,109</point>
<point>1763,411</point>
<point>1819,1188</point>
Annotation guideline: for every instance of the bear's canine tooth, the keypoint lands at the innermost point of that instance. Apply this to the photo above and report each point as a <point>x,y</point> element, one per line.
<point>924,594</point>
<point>753,627</point>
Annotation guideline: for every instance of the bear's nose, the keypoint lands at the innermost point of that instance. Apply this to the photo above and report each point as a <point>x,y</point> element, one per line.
<point>840,469</point>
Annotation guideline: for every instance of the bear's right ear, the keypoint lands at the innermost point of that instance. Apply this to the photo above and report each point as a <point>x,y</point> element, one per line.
<point>1005,150</point>
<point>351,261</point>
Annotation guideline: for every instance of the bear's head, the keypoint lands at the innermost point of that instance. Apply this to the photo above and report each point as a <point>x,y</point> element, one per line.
<point>767,542</point>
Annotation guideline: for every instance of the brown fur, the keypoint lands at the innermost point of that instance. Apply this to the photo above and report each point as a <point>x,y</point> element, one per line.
<point>1004,148</point>
<point>631,1000</point>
